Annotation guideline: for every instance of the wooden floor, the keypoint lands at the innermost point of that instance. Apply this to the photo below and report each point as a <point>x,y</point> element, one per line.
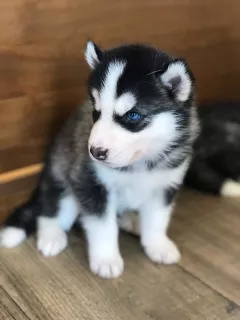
<point>205,284</point>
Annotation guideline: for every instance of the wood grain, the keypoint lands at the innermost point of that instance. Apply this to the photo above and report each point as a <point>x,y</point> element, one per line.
<point>9,201</point>
<point>9,310</point>
<point>43,69</point>
<point>20,173</point>
<point>207,229</point>
<point>64,288</point>
<point>205,285</point>
<point>11,188</point>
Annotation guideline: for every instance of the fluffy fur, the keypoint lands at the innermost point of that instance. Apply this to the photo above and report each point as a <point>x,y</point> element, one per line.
<point>215,166</point>
<point>128,148</point>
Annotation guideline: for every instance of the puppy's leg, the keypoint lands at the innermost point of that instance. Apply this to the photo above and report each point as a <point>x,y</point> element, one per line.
<point>154,220</point>
<point>99,220</point>
<point>59,211</point>
<point>102,235</point>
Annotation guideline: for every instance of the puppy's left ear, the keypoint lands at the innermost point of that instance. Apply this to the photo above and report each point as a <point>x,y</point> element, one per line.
<point>93,54</point>
<point>178,80</point>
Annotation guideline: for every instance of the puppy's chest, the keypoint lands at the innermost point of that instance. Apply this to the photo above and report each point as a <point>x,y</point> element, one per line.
<point>130,195</point>
<point>132,191</point>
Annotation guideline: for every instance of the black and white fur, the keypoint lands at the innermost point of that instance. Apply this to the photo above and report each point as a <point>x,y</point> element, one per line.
<point>215,166</point>
<point>97,170</point>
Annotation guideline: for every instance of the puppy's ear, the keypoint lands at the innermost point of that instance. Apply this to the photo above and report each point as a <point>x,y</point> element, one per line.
<point>178,80</point>
<point>93,54</point>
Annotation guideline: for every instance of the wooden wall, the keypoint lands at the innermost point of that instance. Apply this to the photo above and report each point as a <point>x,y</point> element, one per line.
<point>42,68</point>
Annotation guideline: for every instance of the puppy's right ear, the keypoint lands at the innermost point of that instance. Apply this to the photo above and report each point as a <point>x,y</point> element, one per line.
<point>93,54</point>
<point>178,80</point>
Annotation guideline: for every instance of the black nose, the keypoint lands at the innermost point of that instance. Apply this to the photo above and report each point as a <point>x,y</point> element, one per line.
<point>99,153</point>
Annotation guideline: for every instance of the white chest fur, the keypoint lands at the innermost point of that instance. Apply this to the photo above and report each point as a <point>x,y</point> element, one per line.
<point>131,189</point>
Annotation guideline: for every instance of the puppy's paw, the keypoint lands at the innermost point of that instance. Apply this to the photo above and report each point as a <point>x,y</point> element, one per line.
<point>11,237</point>
<point>163,251</point>
<point>107,267</point>
<point>51,241</point>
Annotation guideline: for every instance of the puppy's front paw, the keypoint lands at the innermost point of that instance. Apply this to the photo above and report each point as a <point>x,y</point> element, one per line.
<point>107,267</point>
<point>51,241</point>
<point>163,250</point>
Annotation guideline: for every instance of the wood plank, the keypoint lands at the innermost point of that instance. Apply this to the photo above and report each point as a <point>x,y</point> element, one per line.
<point>207,229</point>
<point>32,128</point>
<point>63,287</point>
<point>13,175</point>
<point>41,57</point>
<point>9,201</point>
<point>208,235</point>
<point>9,310</point>
<point>15,186</point>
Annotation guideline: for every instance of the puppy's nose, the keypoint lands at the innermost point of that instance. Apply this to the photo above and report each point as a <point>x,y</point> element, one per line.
<point>99,153</point>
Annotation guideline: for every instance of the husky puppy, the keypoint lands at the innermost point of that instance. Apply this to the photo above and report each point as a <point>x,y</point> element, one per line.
<point>127,148</point>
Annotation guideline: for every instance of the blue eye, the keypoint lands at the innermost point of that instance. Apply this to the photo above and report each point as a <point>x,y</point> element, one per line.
<point>133,116</point>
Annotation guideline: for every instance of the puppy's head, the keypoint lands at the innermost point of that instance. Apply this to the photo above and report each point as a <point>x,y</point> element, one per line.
<point>141,103</point>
